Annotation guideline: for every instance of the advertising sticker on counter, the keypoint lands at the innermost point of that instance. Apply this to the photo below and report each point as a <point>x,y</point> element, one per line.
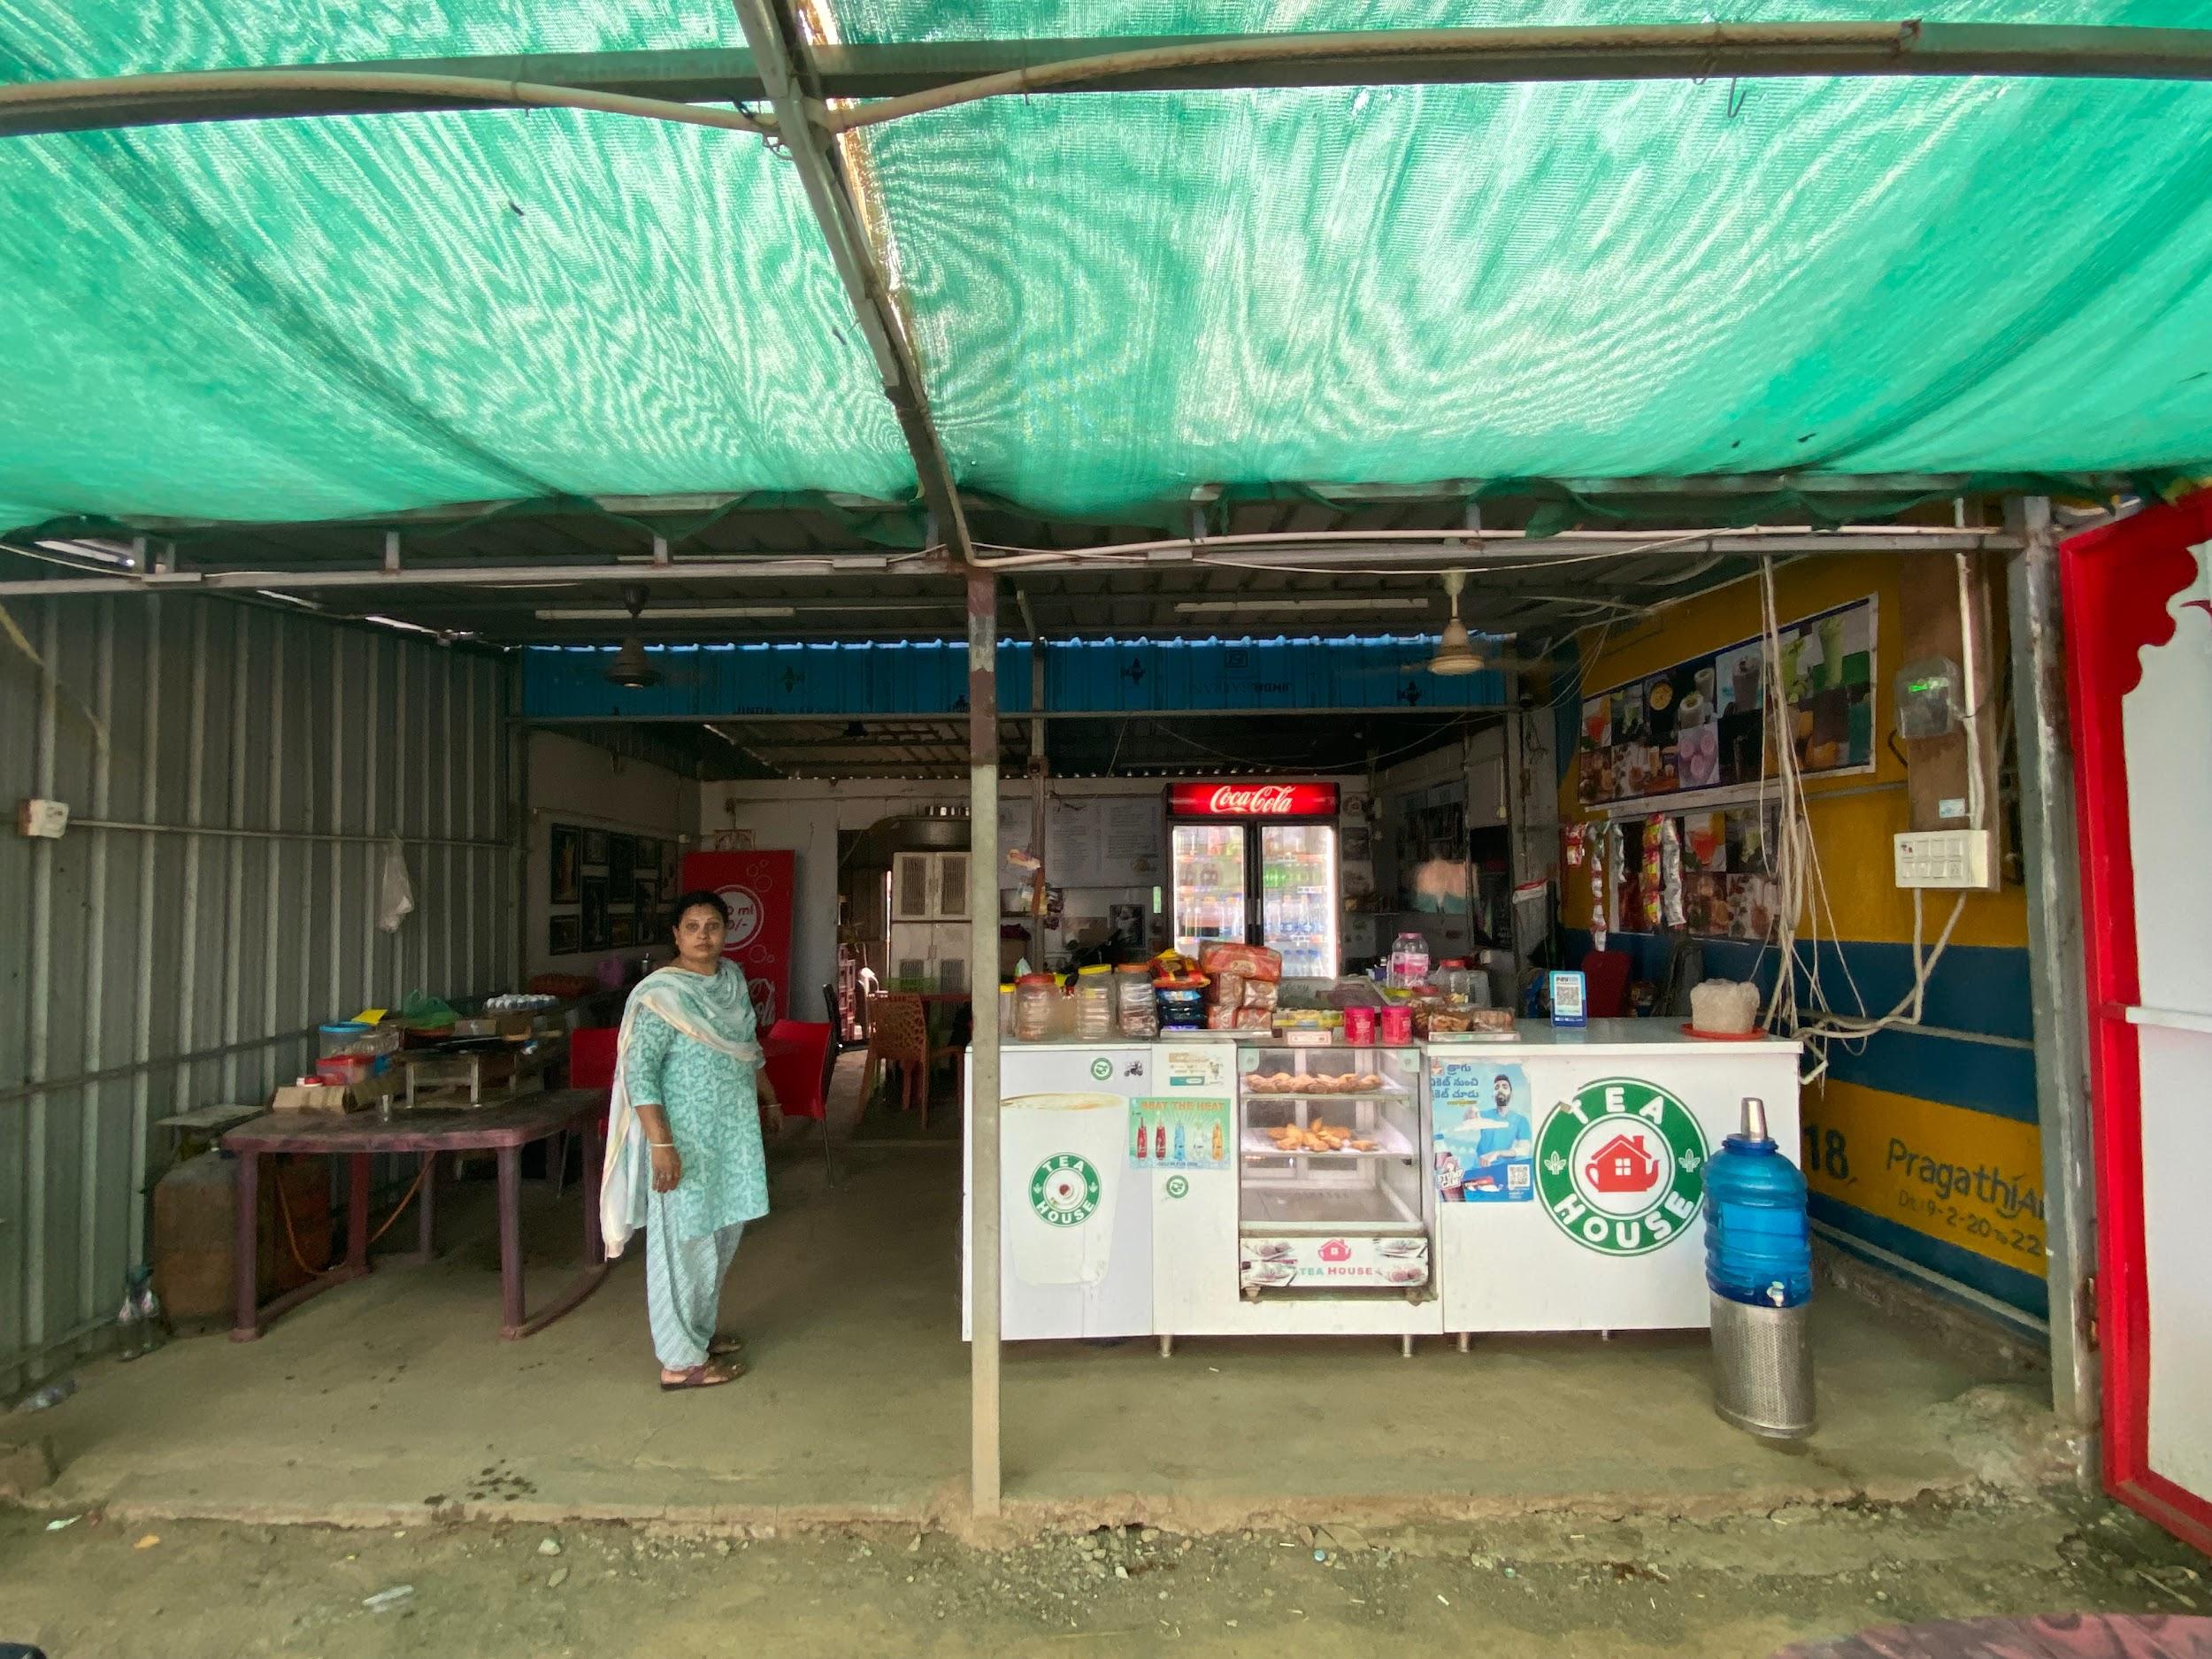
<point>1179,1134</point>
<point>1622,1166</point>
<point>1484,1146</point>
<point>1201,1066</point>
<point>1279,1264</point>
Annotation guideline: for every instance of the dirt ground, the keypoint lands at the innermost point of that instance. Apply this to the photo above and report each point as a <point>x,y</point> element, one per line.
<point>1554,1586</point>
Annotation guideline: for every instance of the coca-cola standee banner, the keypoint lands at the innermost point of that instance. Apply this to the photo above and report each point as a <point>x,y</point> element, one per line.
<point>1252,800</point>
<point>758,888</point>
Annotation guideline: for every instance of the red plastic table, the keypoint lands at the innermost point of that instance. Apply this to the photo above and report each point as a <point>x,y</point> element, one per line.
<point>358,1137</point>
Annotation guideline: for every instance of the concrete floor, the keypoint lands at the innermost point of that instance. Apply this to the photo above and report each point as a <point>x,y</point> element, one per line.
<point>382,1399</point>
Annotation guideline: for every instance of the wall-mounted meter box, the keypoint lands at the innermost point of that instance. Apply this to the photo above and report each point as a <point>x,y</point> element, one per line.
<point>1929,701</point>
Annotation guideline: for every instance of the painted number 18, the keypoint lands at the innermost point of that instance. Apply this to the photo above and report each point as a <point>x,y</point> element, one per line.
<point>1825,1152</point>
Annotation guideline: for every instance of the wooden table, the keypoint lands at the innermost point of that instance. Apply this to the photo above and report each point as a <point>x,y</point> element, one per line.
<point>358,1137</point>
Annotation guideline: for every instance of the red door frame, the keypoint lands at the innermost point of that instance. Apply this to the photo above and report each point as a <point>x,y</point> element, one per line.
<point>2116,583</point>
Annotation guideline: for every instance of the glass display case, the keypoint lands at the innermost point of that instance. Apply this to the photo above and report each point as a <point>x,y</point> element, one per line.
<point>1332,1187</point>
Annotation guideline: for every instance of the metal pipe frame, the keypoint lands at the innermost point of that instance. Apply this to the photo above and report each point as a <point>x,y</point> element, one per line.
<point>885,82</point>
<point>984,1261</point>
<point>64,106</point>
<point>1378,550</point>
<point>2057,992</point>
<point>303,837</point>
<point>1721,484</point>
<point>795,93</point>
<point>1578,52</point>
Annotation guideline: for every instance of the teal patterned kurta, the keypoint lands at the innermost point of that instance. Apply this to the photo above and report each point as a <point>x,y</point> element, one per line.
<point>713,1111</point>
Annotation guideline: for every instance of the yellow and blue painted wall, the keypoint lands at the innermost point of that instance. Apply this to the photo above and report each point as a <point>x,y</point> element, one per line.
<point>1920,1143</point>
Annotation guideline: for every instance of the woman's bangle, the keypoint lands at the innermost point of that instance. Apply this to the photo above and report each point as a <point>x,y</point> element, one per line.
<point>667,1145</point>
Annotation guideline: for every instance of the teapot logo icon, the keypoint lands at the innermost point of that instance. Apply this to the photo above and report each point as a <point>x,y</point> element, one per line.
<point>1336,1250</point>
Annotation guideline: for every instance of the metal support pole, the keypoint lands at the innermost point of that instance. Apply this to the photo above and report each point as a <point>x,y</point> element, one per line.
<point>983,856</point>
<point>1040,773</point>
<point>2055,967</point>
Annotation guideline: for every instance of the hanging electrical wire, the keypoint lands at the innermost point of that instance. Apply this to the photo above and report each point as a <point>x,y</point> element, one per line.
<point>1795,864</point>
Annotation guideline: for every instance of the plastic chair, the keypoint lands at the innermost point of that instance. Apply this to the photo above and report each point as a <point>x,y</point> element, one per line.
<point>802,1076</point>
<point>591,1055</point>
<point>898,1034</point>
<point>591,1060</point>
<point>838,1044</point>
<point>1605,990</point>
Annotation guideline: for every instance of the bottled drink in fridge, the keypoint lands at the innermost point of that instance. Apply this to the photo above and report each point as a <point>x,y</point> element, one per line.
<point>1758,1244</point>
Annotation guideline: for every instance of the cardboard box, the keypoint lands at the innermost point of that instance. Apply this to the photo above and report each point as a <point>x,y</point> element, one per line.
<point>336,1097</point>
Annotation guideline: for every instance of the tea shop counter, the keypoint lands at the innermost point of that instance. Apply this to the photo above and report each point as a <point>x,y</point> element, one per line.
<point>1226,1184</point>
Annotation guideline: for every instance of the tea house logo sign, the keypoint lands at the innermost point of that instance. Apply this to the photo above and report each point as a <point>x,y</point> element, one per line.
<point>1621,1167</point>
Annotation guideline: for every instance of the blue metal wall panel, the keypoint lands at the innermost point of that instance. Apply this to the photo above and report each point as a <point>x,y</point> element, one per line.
<point>929,677</point>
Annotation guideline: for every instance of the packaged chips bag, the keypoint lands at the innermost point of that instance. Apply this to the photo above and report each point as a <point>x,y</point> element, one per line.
<point>1250,961</point>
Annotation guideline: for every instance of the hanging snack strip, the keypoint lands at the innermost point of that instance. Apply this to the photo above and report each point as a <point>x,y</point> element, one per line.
<point>1671,870</point>
<point>1598,906</point>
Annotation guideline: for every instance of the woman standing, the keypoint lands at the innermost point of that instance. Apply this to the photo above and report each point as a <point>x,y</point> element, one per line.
<point>685,1123</point>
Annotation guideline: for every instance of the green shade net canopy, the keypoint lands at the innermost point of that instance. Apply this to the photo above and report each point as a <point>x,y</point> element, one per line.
<point>1122,295</point>
<point>1115,296</point>
<point>300,320</point>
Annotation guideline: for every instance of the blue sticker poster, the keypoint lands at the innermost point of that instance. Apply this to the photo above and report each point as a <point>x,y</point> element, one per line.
<point>1485,1150</point>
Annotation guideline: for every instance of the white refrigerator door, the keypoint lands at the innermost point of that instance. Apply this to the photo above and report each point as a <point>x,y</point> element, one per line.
<point>1299,903</point>
<point>1075,1213</point>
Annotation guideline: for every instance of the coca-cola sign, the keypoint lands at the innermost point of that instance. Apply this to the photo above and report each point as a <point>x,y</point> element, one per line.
<point>1251,800</point>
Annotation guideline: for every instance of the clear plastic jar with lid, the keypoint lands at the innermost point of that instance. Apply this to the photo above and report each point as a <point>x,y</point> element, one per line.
<point>1139,1013</point>
<point>1095,1003</point>
<point>1035,993</point>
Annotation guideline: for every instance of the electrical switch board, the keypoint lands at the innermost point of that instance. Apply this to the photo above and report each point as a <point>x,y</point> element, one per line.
<point>1946,858</point>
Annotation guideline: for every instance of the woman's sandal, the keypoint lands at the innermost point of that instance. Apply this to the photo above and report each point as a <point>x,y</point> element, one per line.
<point>732,1347</point>
<point>711,1375</point>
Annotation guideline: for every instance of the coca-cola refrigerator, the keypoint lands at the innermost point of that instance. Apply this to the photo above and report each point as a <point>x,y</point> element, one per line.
<point>1256,864</point>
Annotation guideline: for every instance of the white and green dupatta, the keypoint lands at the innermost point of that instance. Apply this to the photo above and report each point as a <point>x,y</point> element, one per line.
<point>716,1010</point>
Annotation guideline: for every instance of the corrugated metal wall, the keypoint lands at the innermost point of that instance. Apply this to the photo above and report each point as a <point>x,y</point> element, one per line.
<point>148,970</point>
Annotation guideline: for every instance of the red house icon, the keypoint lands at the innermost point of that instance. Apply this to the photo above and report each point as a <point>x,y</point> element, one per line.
<point>1621,1165</point>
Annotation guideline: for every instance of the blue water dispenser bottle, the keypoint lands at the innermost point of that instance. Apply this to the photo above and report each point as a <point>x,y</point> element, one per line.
<point>1759,1269</point>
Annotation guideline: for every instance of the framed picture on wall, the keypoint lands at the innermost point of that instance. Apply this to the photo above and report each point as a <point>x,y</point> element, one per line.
<point>622,927</point>
<point>593,890</point>
<point>595,848</point>
<point>621,863</point>
<point>565,936</point>
<point>564,865</point>
<point>650,904</point>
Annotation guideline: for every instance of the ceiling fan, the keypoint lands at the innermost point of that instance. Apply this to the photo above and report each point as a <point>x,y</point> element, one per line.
<point>629,668</point>
<point>1456,652</point>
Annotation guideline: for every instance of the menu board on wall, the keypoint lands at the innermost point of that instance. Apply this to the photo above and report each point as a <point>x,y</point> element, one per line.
<point>1702,724</point>
<point>1090,841</point>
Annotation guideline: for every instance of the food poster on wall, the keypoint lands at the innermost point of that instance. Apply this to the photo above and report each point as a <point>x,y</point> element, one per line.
<point>1179,1134</point>
<point>1483,1143</point>
<point>563,863</point>
<point>1729,888</point>
<point>1702,724</point>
